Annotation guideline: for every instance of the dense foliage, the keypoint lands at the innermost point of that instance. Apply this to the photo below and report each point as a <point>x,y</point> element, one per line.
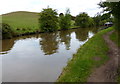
<point>112,8</point>
<point>91,22</point>
<point>65,20</point>
<point>48,20</point>
<point>100,20</point>
<point>83,20</point>
<point>6,31</point>
<point>97,19</point>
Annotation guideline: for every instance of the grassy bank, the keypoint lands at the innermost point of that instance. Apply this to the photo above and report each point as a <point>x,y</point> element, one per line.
<point>92,54</point>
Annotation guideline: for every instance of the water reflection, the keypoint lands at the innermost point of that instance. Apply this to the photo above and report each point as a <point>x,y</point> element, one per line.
<point>82,34</point>
<point>7,45</point>
<point>65,37</point>
<point>49,43</point>
<point>28,54</point>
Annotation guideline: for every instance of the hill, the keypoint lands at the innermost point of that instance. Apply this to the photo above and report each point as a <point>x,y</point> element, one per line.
<point>22,21</point>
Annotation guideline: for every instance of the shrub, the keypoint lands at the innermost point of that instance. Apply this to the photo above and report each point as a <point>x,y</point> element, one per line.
<point>91,22</point>
<point>18,29</point>
<point>48,20</point>
<point>65,20</point>
<point>82,20</point>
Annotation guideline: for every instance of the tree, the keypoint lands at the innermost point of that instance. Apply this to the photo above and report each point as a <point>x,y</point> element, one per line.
<point>105,16</point>
<point>100,20</point>
<point>82,20</point>
<point>65,20</point>
<point>73,18</point>
<point>97,19</point>
<point>91,22</point>
<point>112,8</point>
<point>48,20</point>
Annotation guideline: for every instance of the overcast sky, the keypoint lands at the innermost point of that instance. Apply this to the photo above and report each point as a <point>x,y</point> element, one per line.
<point>76,6</point>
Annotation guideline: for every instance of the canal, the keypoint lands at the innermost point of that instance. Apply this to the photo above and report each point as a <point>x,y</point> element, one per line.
<point>41,57</point>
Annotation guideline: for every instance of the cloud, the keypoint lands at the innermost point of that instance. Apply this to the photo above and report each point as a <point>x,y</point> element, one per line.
<point>76,6</point>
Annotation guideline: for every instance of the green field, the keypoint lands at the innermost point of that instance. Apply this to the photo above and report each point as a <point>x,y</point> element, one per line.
<point>83,62</point>
<point>22,21</point>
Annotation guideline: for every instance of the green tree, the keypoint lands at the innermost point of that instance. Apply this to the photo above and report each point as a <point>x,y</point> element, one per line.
<point>105,16</point>
<point>65,20</point>
<point>97,19</point>
<point>100,20</point>
<point>91,22</point>
<point>82,20</point>
<point>112,8</point>
<point>48,20</point>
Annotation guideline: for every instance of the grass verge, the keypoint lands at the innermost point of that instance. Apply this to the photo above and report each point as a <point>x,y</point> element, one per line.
<point>83,62</point>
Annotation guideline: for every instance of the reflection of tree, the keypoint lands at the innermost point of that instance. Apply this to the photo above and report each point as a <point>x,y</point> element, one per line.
<point>82,34</point>
<point>49,43</point>
<point>65,37</point>
<point>94,30</point>
<point>7,44</point>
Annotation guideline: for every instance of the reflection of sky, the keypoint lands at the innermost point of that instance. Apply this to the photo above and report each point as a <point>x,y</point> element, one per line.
<point>26,62</point>
<point>90,34</point>
<point>22,47</point>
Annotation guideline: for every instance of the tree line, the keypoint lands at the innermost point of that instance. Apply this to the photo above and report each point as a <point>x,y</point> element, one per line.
<point>112,8</point>
<point>50,20</point>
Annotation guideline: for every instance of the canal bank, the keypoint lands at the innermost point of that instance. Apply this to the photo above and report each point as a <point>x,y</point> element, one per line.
<point>35,32</point>
<point>91,55</point>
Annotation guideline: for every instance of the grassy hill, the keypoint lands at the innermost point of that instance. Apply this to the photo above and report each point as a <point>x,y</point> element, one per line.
<point>22,21</point>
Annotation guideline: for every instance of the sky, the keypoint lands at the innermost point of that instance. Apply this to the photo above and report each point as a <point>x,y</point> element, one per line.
<point>75,6</point>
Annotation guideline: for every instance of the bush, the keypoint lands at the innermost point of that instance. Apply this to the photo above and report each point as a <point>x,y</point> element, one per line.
<point>91,22</point>
<point>6,31</point>
<point>82,20</point>
<point>65,20</point>
<point>48,20</point>
<point>97,20</point>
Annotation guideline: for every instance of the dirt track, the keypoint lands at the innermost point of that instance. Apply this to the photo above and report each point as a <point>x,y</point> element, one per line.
<point>108,71</point>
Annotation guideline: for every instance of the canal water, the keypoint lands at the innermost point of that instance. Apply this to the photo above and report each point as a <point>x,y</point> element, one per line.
<point>41,57</point>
